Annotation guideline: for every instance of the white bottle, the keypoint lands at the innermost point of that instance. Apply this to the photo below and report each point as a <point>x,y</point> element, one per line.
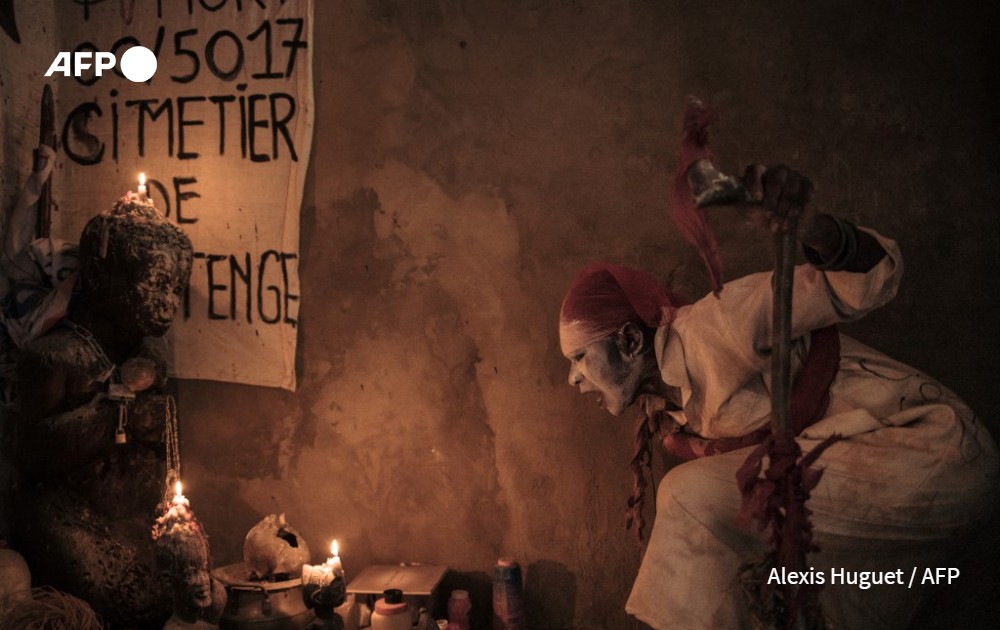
<point>391,612</point>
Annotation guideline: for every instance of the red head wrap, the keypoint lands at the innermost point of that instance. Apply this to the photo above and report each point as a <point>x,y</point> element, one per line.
<point>603,297</point>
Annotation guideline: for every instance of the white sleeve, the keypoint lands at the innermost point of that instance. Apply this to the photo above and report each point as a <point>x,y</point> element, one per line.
<point>719,346</point>
<point>819,298</point>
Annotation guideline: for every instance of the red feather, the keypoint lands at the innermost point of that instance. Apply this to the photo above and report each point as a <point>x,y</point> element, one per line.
<point>692,221</point>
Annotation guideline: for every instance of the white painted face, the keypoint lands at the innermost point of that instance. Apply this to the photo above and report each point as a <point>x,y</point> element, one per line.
<point>602,368</point>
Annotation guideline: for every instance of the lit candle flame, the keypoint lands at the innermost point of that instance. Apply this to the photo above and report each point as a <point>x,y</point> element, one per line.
<point>179,498</point>
<point>142,179</point>
<point>333,563</point>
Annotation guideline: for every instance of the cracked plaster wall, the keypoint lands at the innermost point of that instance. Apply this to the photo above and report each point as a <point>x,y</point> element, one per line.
<point>470,157</point>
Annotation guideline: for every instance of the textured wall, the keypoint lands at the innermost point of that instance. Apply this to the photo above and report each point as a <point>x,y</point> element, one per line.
<point>470,157</point>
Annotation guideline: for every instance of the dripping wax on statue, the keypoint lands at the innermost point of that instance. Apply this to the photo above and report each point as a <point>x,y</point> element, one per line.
<point>237,286</point>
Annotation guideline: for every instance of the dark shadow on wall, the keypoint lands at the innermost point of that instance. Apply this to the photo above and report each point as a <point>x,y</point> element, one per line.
<point>550,595</point>
<point>480,588</point>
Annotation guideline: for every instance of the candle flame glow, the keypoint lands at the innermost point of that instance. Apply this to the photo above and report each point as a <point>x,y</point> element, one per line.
<point>142,179</point>
<point>178,488</point>
<point>334,548</point>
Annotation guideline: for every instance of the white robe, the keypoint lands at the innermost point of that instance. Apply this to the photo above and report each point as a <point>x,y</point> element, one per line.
<point>915,471</point>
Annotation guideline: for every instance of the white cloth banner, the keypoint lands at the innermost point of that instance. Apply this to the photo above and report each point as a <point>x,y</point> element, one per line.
<point>223,131</point>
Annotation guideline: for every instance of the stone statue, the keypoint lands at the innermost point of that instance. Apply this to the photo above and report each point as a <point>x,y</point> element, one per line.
<point>89,431</point>
<point>184,561</point>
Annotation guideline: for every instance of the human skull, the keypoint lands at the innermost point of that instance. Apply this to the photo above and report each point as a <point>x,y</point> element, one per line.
<point>274,550</point>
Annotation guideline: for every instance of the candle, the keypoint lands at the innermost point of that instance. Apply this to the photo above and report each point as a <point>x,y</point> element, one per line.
<point>179,499</point>
<point>322,575</point>
<point>333,562</point>
<point>178,509</point>
<point>180,506</point>
<point>142,193</point>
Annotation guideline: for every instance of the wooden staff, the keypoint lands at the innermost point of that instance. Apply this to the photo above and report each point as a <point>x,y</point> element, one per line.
<point>710,187</point>
<point>781,322</point>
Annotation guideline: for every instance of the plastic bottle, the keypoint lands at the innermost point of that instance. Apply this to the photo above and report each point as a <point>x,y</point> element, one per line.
<point>508,602</point>
<point>459,606</point>
<point>391,612</point>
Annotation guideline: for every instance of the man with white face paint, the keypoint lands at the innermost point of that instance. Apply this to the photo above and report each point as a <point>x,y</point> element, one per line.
<point>607,340</point>
<point>913,474</point>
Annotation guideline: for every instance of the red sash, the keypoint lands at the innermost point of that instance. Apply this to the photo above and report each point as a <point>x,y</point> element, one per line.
<point>810,397</point>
